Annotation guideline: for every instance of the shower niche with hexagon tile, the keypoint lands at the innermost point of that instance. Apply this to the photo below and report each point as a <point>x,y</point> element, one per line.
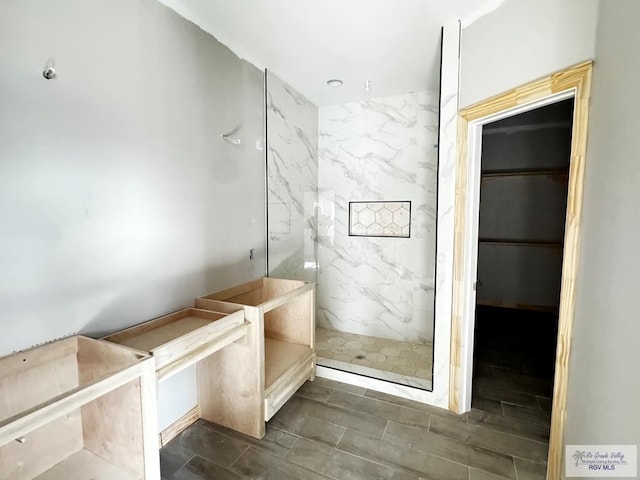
<point>380,219</point>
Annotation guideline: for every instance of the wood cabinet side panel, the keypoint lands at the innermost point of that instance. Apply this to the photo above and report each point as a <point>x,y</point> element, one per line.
<point>231,382</point>
<point>292,321</point>
<point>28,388</point>
<point>112,428</point>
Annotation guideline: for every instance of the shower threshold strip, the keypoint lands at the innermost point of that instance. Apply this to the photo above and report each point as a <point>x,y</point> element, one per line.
<point>375,373</point>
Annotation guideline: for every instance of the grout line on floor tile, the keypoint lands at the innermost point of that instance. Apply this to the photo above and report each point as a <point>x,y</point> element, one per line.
<point>243,452</point>
<point>190,458</point>
<point>385,429</point>
<point>352,455</point>
<point>340,439</point>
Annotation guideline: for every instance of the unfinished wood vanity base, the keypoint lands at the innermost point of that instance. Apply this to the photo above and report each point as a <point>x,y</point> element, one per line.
<point>183,338</point>
<point>246,383</point>
<point>78,408</point>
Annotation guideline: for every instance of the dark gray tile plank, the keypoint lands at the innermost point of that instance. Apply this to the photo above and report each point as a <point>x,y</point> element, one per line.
<point>513,426</point>
<point>421,439</point>
<point>397,456</point>
<point>275,441</point>
<point>315,391</point>
<point>486,405</point>
<point>345,387</point>
<point>211,445</point>
<point>172,457</point>
<point>545,404</point>
<point>405,402</point>
<point>526,383</point>
<point>292,422</point>
<point>200,469</point>
<point>257,464</point>
<point>321,431</point>
<point>290,417</point>
<point>299,407</point>
<point>493,389</point>
<point>480,475</point>
<point>490,439</point>
<point>530,471</point>
<point>341,465</point>
<point>533,415</point>
<point>379,408</point>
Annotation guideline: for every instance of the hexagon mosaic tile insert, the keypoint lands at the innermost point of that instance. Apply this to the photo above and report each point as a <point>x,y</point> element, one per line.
<point>380,219</point>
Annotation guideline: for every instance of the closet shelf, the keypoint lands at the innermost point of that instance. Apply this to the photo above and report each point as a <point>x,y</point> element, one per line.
<point>524,173</point>
<point>523,243</point>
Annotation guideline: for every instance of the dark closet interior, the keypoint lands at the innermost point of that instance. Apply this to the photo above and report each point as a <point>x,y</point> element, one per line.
<point>523,197</point>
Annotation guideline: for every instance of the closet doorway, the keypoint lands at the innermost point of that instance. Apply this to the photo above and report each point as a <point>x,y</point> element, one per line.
<point>571,85</point>
<point>523,200</point>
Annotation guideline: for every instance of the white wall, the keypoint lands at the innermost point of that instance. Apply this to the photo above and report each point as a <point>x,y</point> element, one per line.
<point>523,40</point>
<point>603,385</point>
<point>118,200</point>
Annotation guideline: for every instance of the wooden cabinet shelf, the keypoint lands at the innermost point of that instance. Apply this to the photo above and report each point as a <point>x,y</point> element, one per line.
<point>84,464</point>
<point>252,381</point>
<point>183,338</point>
<point>287,366</point>
<point>78,408</point>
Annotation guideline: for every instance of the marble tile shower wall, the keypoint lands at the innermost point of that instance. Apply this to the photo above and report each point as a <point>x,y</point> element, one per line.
<point>292,176</point>
<point>382,149</point>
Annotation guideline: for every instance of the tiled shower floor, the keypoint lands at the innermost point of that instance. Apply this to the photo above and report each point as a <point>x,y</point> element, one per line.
<point>392,360</point>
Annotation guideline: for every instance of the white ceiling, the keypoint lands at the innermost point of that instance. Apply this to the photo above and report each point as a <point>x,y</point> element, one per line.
<point>393,43</point>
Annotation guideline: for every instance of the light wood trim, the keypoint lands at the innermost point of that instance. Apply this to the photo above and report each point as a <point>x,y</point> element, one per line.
<point>570,264</point>
<point>177,427</point>
<point>577,78</point>
<point>149,401</point>
<point>458,297</point>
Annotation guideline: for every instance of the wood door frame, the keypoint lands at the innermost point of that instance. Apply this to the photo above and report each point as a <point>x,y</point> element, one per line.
<point>574,82</point>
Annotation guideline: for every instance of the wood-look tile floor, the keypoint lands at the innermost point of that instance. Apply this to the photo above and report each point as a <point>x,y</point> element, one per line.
<point>330,430</point>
